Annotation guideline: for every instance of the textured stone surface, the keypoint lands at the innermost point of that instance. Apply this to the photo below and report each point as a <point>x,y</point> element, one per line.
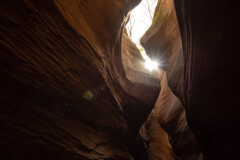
<point>162,41</point>
<point>210,34</point>
<point>156,139</point>
<point>207,77</point>
<point>172,117</point>
<point>64,91</point>
<point>134,66</point>
<point>71,88</point>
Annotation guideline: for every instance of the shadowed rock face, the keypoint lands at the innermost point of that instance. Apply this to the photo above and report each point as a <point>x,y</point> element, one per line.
<point>64,91</point>
<point>156,139</point>
<point>133,64</point>
<point>70,88</point>
<point>162,41</point>
<point>172,117</point>
<point>209,87</point>
<point>210,33</point>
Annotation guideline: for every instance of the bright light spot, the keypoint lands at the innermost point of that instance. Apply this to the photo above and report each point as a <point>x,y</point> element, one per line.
<point>151,65</point>
<point>140,20</point>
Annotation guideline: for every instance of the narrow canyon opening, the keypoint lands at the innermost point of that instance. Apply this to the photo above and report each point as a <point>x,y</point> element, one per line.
<point>75,83</point>
<point>154,25</point>
<point>140,19</point>
<point>137,61</point>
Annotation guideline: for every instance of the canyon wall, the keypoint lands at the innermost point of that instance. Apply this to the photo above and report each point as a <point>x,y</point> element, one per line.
<point>210,33</point>
<point>205,74</point>
<point>163,43</point>
<point>72,85</point>
<point>64,91</point>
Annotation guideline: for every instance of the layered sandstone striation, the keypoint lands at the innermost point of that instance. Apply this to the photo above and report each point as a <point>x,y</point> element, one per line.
<point>156,140</point>
<point>64,91</point>
<point>172,117</point>
<point>73,86</point>
<point>162,41</point>
<point>210,33</point>
<point>205,74</point>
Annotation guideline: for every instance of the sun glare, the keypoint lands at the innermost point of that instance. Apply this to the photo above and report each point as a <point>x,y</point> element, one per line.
<point>151,65</point>
<point>140,20</point>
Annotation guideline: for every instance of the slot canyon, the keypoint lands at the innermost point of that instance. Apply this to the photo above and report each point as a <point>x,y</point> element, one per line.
<point>73,85</point>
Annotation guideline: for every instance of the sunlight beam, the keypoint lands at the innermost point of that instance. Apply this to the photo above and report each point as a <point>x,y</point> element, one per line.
<point>151,65</point>
<point>140,20</point>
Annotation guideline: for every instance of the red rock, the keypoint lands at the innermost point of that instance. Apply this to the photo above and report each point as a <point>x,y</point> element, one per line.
<point>51,54</point>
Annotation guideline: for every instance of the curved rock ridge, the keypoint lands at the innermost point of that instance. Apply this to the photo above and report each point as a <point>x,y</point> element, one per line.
<point>156,139</point>
<point>64,91</point>
<point>162,41</point>
<point>133,64</point>
<point>205,74</point>
<point>72,85</point>
<point>172,117</point>
<point>106,40</point>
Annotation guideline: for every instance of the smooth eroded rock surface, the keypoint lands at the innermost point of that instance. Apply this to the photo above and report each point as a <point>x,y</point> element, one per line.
<point>64,91</point>
<point>205,77</point>
<point>162,41</point>
<point>210,33</point>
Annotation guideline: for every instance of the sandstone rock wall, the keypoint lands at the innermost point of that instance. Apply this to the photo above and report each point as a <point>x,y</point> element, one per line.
<point>210,33</point>
<point>162,41</point>
<point>64,91</point>
<point>205,76</point>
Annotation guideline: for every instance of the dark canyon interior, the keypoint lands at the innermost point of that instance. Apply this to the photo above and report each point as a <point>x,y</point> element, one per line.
<point>69,81</point>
